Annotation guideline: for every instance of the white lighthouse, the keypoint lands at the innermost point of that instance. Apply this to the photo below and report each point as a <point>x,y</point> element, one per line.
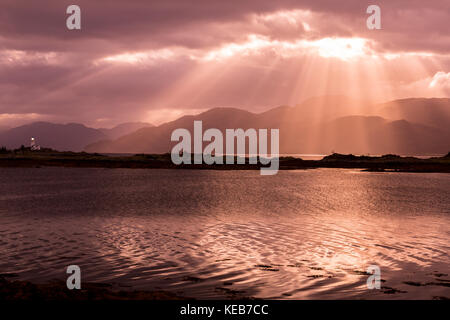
<point>33,145</point>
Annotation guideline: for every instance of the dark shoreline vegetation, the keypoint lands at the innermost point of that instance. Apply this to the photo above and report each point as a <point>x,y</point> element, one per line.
<point>24,157</point>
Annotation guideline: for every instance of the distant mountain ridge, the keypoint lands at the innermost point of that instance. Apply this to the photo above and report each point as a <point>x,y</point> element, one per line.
<point>123,129</point>
<point>310,128</point>
<point>63,137</point>
<point>433,112</point>
<point>321,125</point>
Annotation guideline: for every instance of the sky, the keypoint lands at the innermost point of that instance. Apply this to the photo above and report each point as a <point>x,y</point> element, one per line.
<point>155,61</point>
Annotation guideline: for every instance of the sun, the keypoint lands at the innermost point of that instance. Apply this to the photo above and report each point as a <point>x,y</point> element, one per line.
<point>343,48</point>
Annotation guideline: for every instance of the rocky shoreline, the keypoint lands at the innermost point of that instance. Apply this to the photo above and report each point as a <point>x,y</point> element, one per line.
<point>385,163</point>
<point>19,290</point>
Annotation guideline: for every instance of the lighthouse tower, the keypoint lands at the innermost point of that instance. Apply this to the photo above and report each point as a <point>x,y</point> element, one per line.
<point>33,145</point>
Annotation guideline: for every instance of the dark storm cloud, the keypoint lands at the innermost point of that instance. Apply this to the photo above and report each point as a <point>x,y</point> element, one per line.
<point>48,70</point>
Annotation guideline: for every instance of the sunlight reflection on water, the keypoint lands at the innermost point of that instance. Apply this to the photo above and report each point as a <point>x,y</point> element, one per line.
<point>209,234</point>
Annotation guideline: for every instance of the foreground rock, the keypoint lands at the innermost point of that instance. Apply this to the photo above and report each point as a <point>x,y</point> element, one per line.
<point>56,291</point>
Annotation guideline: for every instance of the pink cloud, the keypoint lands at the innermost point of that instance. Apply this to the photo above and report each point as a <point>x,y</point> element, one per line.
<point>134,58</point>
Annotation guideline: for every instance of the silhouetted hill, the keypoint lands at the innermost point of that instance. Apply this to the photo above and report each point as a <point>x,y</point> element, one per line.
<point>307,128</point>
<point>325,108</point>
<point>157,139</point>
<point>72,136</point>
<point>431,112</point>
<point>375,135</point>
<point>123,129</point>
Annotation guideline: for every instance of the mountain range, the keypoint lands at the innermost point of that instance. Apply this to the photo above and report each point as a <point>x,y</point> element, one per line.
<point>63,137</point>
<point>318,126</point>
<point>321,125</point>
